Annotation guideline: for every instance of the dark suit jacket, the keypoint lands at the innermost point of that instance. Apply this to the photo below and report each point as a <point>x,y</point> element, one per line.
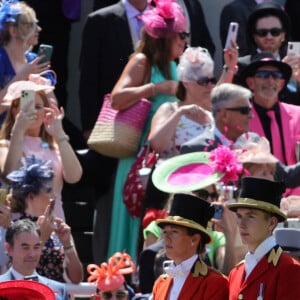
<point>238,11</point>
<point>58,287</point>
<point>206,141</point>
<point>292,8</point>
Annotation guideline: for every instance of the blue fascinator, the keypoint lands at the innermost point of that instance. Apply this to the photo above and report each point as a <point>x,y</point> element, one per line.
<point>8,14</point>
<point>31,177</point>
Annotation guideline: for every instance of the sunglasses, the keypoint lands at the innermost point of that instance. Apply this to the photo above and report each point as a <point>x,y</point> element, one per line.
<point>118,294</point>
<point>267,73</point>
<point>204,81</point>
<point>204,194</point>
<point>244,110</point>
<point>183,35</point>
<point>264,32</point>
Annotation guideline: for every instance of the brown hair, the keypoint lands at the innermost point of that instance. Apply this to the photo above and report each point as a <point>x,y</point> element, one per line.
<point>158,52</point>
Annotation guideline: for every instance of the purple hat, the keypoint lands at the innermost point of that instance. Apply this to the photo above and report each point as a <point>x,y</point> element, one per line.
<point>164,20</point>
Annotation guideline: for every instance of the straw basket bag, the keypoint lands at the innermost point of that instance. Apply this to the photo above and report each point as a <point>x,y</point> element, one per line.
<point>118,133</point>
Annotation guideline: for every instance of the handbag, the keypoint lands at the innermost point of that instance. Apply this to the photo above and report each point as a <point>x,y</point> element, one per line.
<point>118,133</point>
<point>137,179</point>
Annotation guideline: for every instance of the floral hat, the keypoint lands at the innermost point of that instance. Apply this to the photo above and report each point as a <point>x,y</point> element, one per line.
<point>25,290</point>
<point>109,276</point>
<point>164,20</point>
<point>193,171</point>
<point>7,13</point>
<point>31,176</point>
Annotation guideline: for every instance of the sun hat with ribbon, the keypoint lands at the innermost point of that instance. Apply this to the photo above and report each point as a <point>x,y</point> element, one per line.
<point>164,20</point>
<point>25,290</point>
<point>193,171</point>
<point>109,276</point>
<point>15,89</point>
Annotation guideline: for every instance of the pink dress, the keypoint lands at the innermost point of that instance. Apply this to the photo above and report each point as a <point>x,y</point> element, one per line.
<point>35,146</point>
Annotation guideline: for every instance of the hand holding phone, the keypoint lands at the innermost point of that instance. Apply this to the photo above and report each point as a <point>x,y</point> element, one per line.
<point>27,96</point>
<point>45,50</point>
<point>218,212</point>
<point>231,34</point>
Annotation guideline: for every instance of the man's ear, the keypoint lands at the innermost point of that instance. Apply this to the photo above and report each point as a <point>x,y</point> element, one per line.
<point>250,83</point>
<point>8,248</point>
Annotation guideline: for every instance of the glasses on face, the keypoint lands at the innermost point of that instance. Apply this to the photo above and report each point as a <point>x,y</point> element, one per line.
<point>205,195</point>
<point>204,81</point>
<point>264,32</point>
<point>267,73</point>
<point>183,35</point>
<point>244,110</point>
<point>117,294</point>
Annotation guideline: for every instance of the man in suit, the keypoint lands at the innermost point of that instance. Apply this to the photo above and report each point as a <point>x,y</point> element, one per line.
<point>266,272</point>
<point>266,77</point>
<point>185,236</point>
<point>232,112</point>
<point>24,246</point>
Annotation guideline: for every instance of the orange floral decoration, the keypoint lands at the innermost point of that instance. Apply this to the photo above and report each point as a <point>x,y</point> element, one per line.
<point>109,276</point>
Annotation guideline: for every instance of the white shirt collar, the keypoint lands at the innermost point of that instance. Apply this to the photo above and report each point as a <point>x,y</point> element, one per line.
<point>19,276</point>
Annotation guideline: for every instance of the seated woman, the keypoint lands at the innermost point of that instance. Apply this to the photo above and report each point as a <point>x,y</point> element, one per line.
<point>109,278</point>
<point>32,189</point>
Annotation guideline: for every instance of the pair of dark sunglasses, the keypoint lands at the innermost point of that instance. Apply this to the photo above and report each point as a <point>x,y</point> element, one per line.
<point>183,35</point>
<point>244,110</point>
<point>267,73</point>
<point>264,32</point>
<point>118,294</point>
<point>204,194</point>
<point>204,81</point>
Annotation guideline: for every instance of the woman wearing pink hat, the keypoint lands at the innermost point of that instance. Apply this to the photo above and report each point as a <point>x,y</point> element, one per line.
<point>37,132</point>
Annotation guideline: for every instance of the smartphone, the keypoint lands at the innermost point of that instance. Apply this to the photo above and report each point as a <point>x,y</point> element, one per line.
<point>51,206</point>
<point>27,96</point>
<point>231,34</point>
<point>45,50</point>
<point>293,48</point>
<point>218,212</point>
<point>3,194</point>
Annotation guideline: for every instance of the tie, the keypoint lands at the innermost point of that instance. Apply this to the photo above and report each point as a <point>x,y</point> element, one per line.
<point>276,141</point>
<point>139,26</point>
<point>175,271</point>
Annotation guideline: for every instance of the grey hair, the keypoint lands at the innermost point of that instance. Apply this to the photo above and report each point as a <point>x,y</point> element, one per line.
<point>226,94</point>
<point>194,63</point>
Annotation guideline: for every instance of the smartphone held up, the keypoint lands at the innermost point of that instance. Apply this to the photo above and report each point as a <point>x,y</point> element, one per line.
<point>47,51</point>
<point>27,100</point>
<point>231,34</point>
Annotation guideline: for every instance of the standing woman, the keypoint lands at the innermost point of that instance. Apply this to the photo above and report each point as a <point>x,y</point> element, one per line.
<point>150,73</point>
<point>37,132</point>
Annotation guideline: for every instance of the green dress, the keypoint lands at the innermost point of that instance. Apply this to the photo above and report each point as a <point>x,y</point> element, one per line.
<point>124,229</point>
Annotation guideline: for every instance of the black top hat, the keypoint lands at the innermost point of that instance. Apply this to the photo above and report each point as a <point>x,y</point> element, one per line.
<point>265,59</point>
<point>190,211</point>
<point>269,9</point>
<point>260,194</point>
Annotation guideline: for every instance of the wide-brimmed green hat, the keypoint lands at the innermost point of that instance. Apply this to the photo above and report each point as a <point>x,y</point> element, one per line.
<point>260,194</point>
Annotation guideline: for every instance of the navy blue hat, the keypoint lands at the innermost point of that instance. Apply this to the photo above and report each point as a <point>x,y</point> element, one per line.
<point>260,194</point>
<point>190,211</point>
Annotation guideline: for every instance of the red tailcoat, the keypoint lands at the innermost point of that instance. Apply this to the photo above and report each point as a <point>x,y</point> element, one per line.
<point>276,272</point>
<point>210,286</point>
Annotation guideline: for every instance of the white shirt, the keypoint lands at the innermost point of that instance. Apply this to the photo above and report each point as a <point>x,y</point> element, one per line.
<point>19,276</point>
<point>182,270</point>
<point>252,259</point>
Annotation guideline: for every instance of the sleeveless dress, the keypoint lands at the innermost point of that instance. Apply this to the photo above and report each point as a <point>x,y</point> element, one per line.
<point>125,229</point>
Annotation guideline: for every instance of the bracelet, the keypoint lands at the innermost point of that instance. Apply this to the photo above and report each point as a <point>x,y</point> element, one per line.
<point>153,88</point>
<point>69,249</point>
<point>62,138</point>
<point>226,69</point>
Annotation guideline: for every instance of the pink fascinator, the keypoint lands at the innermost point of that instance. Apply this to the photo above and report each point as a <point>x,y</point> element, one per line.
<point>164,20</point>
<point>109,276</point>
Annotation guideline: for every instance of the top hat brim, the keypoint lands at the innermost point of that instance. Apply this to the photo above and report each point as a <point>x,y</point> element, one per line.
<point>185,173</point>
<point>256,204</point>
<point>25,290</point>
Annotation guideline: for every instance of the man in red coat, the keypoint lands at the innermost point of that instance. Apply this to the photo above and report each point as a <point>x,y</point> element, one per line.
<point>267,273</point>
<point>185,236</point>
